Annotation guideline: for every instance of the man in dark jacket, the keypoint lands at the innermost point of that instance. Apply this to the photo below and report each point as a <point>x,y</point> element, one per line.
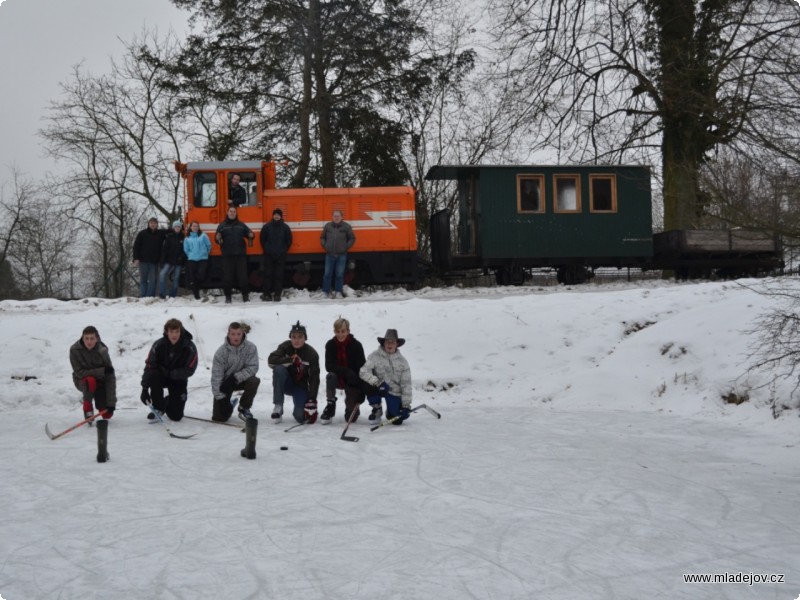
<point>276,239</point>
<point>237,195</point>
<point>231,236</point>
<point>146,254</point>
<point>170,363</point>
<point>344,357</point>
<point>172,260</point>
<point>93,373</point>
<point>337,238</point>
<point>295,371</point>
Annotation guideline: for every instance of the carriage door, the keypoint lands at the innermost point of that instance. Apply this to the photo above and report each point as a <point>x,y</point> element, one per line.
<point>466,217</point>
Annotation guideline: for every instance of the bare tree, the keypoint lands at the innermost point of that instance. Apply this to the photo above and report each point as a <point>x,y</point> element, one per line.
<point>119,134</point>
<point>38,241</point>
<point>659,81</point>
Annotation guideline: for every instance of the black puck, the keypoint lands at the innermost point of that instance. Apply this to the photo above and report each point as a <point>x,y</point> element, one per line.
<point>284,447</point>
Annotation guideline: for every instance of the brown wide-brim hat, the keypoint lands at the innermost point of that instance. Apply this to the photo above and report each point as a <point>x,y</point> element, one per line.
<point>391,334</point>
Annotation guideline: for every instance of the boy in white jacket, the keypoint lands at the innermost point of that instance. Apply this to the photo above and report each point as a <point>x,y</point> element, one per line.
<point>389,375</point>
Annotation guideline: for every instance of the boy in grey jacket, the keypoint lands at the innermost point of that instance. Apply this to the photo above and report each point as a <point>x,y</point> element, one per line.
<point>234,368</point>
<point>337,238</point>
<point>389,375</point>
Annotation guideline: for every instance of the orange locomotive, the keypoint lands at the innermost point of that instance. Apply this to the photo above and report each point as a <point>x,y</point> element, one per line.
<point>383,221</point>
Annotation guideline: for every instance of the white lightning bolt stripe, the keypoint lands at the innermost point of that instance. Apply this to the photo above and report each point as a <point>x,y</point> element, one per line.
<point>383,219</point>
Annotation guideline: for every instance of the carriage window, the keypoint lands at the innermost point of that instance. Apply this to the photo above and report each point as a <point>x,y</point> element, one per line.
<point>567,193</point>
<point>529,193</point>
<point>205,189</point>
<point>603,193</point>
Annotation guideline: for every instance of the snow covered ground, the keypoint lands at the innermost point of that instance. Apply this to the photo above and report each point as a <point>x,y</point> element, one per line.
<point>584,451</point>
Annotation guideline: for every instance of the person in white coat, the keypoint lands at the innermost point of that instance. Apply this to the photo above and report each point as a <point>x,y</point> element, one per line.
<point>388,375</point>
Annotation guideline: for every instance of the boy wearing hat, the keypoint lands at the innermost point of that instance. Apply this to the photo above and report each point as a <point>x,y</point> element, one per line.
<point>389,375</point>
<point>295,371</point>
<point>172,260</point>
<point>276,239</point>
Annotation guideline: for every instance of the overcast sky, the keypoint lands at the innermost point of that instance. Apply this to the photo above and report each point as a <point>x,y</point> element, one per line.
<point>40,42</point>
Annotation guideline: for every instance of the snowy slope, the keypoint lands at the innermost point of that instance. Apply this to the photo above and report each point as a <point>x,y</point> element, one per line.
<point>584,451</point>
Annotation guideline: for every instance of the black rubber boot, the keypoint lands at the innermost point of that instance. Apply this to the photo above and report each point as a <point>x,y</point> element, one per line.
<point>102,441</point>
<point>250,432</point>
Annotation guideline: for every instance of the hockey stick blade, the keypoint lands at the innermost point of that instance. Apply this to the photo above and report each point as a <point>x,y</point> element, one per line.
<point>350,438</point>
<point>214,422</point>
<point>73,428</point>
<point>161,420</point>
<point>415,409</point>
<point>430,410</point>
<point>296,426</point>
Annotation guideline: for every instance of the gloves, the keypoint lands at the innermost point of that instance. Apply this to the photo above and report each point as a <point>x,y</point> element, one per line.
<point>310,412</point>
<point>90,383</point>
<point>109,412</point>
<point>145,397</point>
<point>298,365</point>
<point>405,412</point>
<point>109,370</point>
<point>384,388</point>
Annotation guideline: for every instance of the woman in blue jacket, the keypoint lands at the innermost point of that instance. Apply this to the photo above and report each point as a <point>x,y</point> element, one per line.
<point>196,246</point>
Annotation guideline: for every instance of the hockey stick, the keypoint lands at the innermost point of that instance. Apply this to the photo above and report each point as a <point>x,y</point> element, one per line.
<point>161,420</point>
<point>215,422</point>
<point>350,438</point>
<point>74,427</point>
<point>296,426</point>
<point>415,409</point>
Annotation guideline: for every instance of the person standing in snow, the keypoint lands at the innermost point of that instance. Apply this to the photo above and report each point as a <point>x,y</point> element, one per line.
<point>337,238</point>
<point>231,235</point>
<point>344,357</point>
<point>171,361</point>
<point>172,259</point>
<point>234,368</point>
<point>389,376</point>
<point>295,371</point>
<point>197,247</point>
<point>93,373</point>
<point>276,239</point>
<point>146,254</point>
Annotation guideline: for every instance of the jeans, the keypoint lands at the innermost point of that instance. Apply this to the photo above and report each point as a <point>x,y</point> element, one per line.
<point>162,280</point>
<point>283,384</point>
<point>334,265</point>
<point>147,279</point>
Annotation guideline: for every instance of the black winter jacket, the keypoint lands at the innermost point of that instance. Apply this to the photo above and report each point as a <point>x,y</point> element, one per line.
<point>172,251</point>
<point>276,238</point>
<point>233,234</point>
<point>348,373</point>
<point>147,245</point>
<point>175,362</point>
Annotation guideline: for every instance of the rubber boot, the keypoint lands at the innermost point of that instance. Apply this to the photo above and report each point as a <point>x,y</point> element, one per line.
<point>102,441</point>
<point>250,431</point>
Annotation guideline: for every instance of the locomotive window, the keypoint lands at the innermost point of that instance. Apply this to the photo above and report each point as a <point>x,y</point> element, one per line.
<point>205,189</point>
<point>567,193</point>
<point>529,193</point>
<point>248,183</point>
<point>603,193</point>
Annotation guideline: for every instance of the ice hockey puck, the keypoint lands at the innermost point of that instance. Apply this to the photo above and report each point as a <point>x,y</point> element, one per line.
<point>284,447</point>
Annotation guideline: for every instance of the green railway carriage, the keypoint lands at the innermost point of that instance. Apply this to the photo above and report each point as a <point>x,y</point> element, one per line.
<point>512,217</point>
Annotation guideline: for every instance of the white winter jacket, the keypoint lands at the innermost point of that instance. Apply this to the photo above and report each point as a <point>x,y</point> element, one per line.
<point>391,368</point>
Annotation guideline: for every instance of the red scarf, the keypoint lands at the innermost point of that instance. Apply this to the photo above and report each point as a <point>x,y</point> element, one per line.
<point>341,355</point>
